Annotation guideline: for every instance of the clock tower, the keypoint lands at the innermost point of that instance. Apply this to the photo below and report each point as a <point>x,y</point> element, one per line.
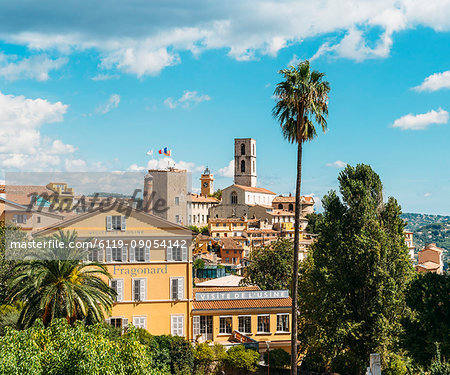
<point>207,182</point>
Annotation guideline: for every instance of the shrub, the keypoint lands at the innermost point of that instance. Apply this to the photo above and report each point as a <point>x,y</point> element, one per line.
<point>346,363</point>
<point>180,351</point>
<point>278,358</point>
<point>314,361</point>
<point>396,366</point>
<point>240,360</point>
<point>61,349</point>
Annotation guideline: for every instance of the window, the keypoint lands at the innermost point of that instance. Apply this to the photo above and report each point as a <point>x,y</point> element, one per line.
<point>291,207</point>
<point>177,219</point>
<point>138,254</point>
<point>225,324</point>
<point>177,325</point>
<point>254,150</point>
<point>140,322</point>
<point>234,260</point>
<point>254,166</point>
<point>282,322</point>
<point>177,201</point>
<point>242,165</point>
<point>117,285</point>
<point>118,322</point>
<point>242,149</point>
<point>245,324</point>
<point>177,254</point>
<point>116,254</point>
<point>116,223</point>
<point>263,323</point>
<point>139,289</point>
<point>234,198</point>
<point>227,260</point>
<point>20,219</point>
<point>280,206</point>
<point>177,288</point>
<point>95,255</point>
<point>38,219</point>
<point>227,251</point>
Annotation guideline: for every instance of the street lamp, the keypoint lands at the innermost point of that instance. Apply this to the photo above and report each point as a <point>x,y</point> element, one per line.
<point>268,357</point>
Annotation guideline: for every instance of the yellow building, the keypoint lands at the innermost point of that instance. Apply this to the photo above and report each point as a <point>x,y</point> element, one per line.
<point>227,227</point>
<point>150,261</point>
<point>61,195</point>
<point>228,315</point>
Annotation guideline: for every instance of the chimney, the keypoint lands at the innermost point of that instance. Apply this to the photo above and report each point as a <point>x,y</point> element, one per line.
<point>148,190</point>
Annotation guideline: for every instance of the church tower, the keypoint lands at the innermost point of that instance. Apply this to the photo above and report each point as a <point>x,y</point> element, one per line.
<point>207,183</point>
<point>245,162</point>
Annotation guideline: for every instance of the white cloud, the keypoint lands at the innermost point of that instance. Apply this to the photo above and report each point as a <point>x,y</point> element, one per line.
<point>337,164</point>
<point>21,143</point>
<point>104,77</point>
<point>75,165</point>
<point>426,195</point>
<point>421,121</point>
<point>227,171</point>
<point>113,102</point>
<point>435,82</point>
<point>166,162</point>
<point>146,37</point>
<point>187,100</point>
<point>34,67</point>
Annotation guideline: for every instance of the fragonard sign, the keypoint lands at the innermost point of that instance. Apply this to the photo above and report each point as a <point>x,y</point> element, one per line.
<point>249,294</point>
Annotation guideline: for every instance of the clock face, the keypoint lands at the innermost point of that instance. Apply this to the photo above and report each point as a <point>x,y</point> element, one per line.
<point>205,184</point>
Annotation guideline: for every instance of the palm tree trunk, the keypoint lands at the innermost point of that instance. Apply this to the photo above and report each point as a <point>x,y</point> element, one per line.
<point>296,255</point>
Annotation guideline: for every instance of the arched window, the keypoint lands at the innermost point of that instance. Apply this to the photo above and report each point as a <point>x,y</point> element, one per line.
<point>291,207</point>
<point>242,165</point>
<point>254,150</point>
<point>242,149</point>
<point>280,206</point>
<point>234,198</point>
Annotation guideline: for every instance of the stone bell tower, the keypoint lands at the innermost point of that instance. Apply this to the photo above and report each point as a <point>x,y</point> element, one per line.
<point>245,162</point>
<point>207,183</point>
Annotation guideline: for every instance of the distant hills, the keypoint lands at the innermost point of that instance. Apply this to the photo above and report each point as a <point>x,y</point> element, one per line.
<point>429,228</point>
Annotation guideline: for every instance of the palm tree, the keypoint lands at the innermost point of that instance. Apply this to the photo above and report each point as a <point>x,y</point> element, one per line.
<point>61,287</point>
<point>301,98</point>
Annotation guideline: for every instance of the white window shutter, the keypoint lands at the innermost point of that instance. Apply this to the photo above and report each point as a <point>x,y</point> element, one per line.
<point>184,254</point>
<point>181,288</point>
<point>181,325</point>
<point>143,290</point>
<point>100,255</point>
<point>123,223</point>
<point>109,223</point>
<point>124,254</point>
<point>124,323</point>
<point>108,321</point>
<point>108,255</point>
<point>147,254</point>
<point>120,290</point>
<point>132,254</point>
<point>196,325</point>
<point>169,253</point>
<point>173,325</point>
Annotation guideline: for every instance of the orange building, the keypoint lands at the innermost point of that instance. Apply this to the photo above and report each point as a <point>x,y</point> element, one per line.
<point>430,259</point>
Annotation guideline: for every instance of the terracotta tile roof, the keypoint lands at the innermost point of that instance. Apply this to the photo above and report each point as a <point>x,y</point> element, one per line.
<point>197,198</point>
<point>229,244</point>
<point>2,188</point>
<point>21,194</point>
<point>226,289</point>
<point>282,213</point>
<point>243,304</point>
<point>255,189</point>
<point>271,231</point>
<point>227,220</point>
<point>432,246</point>
<point>291,199</point>
<point>429,265</point>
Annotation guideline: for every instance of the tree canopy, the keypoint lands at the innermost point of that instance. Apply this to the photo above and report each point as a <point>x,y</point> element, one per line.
<point>352,285</point>
<point>271,266</point>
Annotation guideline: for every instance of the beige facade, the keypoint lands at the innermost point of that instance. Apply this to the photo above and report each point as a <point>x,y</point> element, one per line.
<point>198,209</point>
<point>430,259</point>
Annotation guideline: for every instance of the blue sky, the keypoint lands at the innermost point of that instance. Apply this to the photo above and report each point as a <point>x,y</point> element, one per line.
<point>93,86</point>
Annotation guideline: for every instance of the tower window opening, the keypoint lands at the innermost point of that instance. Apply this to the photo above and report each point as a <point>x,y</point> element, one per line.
<point>242,165</point>
<point>242,149</point>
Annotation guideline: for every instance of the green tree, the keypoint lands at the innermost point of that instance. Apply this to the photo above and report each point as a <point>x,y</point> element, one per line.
<point>61,349</point>
<point>277,358</point>
<point>240,360</point>
<point>217,194</point>
<point>63,287</point>
<point>354,280</point>
<point>301,98</point>
<point>429,323</point>
<point>271,266</point>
